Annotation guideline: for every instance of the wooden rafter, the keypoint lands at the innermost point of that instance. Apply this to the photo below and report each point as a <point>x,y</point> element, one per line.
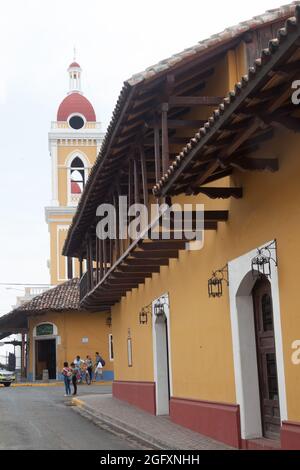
<point>220,193</point>
<point>194,101</point>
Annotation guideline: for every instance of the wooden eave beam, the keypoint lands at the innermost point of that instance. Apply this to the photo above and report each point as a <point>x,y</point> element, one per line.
<point>146,262</point>
<point>209,215</point>
<point>133,272</point>
<point>125,282</point>
<point>187,182</point>
<point>259,164</point>
<point>172,140</point>
<point>188,101</point>
<point>163,245</point>
<point>220,193</point>
<point>155,254</point>
<point>227,152</point>
<point>139,269</point>
<point>180,123</point>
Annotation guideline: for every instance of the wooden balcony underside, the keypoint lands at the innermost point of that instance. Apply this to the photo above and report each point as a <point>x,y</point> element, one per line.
<point>140,261</point>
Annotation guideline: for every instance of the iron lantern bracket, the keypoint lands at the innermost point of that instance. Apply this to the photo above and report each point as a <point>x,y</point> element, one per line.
<point>219,276</point>
<point>263,258</point>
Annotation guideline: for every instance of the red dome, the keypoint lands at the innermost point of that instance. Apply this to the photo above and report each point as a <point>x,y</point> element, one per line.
<point>75,103</point>
<point>74,64</point>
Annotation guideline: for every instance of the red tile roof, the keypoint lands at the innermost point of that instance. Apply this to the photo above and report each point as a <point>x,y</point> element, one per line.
<point>60,298</point>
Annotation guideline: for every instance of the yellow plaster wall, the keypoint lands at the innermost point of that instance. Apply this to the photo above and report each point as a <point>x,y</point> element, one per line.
<point>183,277</point>
<point>58,273</point>
<point>201,344</point>
<point>228,70</point>
<point>72,327</point>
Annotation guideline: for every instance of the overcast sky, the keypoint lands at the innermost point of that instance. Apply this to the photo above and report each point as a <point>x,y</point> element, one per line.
<point>114,40</point>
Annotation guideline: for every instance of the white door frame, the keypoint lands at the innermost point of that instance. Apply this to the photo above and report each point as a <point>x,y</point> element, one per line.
<point>241,283</point>
<point>42,338</point>
<point>162,403</point>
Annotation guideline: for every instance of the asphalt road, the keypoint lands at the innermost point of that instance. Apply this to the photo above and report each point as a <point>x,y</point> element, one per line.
<point>40,418</point>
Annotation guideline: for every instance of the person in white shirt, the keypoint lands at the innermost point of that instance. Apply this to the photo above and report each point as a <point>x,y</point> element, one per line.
<point>78,362</point>
<point>98,371</point>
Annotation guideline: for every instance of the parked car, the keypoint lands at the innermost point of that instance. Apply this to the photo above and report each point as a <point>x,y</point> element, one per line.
<point>7,377</point>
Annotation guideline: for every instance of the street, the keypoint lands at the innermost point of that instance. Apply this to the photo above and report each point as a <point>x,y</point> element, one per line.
<point>39,418</point>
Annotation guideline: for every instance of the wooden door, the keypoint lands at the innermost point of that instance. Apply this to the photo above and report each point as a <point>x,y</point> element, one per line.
<point>266,358</point>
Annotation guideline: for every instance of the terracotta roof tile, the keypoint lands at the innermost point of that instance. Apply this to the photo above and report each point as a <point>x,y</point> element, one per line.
<point>62,297</point>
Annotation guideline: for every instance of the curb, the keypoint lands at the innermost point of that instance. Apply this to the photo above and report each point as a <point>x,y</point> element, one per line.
<point>117,425</point>
<point>52,384</point>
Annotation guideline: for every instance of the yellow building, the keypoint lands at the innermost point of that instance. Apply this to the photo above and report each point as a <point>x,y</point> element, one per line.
<point>208,336</point>
<point>74,142</point>
<point>58,331</point>
<point>56,328</point>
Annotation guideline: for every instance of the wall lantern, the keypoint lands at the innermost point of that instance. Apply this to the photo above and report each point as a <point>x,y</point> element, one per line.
<point>215,283</point>
<point>158,308</point>
<point>261,263</point>
<point>108,320</point>
<point>143,315</point>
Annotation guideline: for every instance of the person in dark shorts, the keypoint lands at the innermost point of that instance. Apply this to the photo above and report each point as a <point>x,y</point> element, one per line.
<point>74,378</point>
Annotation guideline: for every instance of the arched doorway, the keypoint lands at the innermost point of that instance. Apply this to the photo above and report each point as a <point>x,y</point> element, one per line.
<point>162,360</point>
<point>245,354</point>
<point>266,358</point>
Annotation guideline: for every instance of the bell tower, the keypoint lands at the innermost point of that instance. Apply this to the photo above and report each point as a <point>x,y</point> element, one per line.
<point>74,143</point>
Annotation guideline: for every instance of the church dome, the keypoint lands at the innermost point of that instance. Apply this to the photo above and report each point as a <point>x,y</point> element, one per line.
<point>74,64</point>
<point>75,103</point>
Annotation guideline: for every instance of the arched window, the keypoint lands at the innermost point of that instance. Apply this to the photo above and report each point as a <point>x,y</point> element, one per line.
<point>77,176</point>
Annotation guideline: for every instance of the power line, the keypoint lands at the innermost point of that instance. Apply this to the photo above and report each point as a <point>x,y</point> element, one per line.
<point>24,284</point>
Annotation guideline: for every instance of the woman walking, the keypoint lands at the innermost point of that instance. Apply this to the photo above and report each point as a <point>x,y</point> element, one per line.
<point>89,364</point>
<point>67,374</point>
<point>74,378</point>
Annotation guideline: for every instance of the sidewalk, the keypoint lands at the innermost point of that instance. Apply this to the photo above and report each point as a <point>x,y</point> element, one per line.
<point>157,431</point>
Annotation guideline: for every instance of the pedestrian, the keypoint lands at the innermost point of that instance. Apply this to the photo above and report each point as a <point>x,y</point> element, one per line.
<point>67,374</point>
<point>74,378</point>
<point>78,362</point>
<point>89,364</point>
<point>85,374</point>
<point>98,371</point>
<point>97,359</point>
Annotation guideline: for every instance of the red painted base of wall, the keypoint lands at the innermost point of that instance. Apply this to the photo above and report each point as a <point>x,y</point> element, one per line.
<point>140,394</point>
<point>219,421</point>
<point>290,435</point>
<point>260,444</point>
<point>216,420</point>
